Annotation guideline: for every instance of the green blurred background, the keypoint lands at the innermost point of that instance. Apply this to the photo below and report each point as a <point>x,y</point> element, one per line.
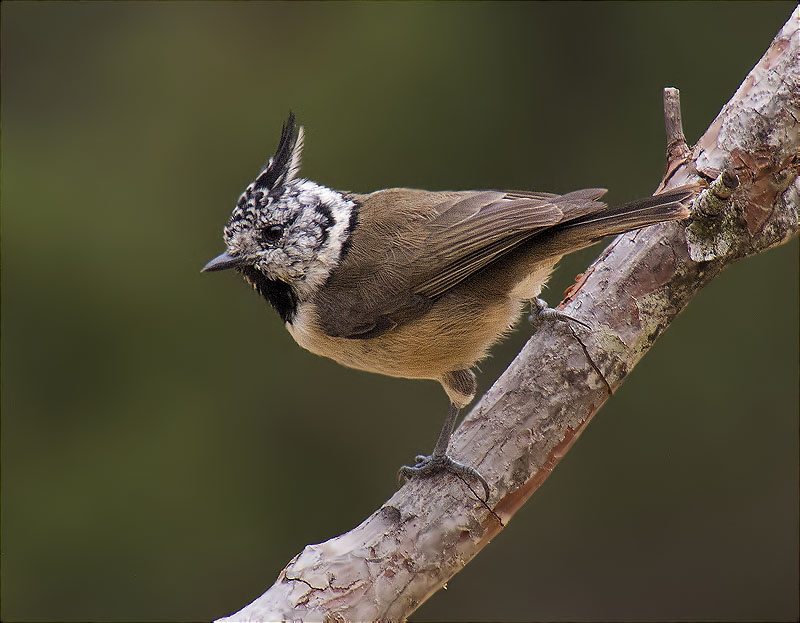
<point>167,448</point>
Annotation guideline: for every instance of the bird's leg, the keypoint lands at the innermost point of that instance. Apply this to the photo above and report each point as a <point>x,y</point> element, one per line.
<point>439,461</point>
<point>541,312</point>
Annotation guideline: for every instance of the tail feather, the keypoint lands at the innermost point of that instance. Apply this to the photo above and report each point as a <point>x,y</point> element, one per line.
<point>584,226</point>
<point>609,221</point>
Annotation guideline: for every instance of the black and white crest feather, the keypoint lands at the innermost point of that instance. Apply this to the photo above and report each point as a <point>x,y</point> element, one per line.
<point>285,164</point>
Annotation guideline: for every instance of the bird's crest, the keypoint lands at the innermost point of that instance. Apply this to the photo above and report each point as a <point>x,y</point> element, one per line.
<point>285,164</point>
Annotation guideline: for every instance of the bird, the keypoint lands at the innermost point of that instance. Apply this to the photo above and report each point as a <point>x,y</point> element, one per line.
<point>413,283</point>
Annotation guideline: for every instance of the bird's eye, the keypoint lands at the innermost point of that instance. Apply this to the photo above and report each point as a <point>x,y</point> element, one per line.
<point>272,233</point>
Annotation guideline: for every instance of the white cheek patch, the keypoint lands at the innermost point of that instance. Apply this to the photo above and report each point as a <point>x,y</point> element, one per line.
<point>317,220</point>
<point>328,255</point>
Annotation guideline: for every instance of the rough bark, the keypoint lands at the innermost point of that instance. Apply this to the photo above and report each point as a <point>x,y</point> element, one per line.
<point>430,528</point>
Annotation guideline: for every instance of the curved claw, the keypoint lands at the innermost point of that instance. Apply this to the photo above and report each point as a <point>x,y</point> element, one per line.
<point>435,463</point>
<point>540,311</point>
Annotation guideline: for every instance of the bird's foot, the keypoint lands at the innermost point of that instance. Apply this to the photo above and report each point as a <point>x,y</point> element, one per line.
<point>541,312</point>
<point>428,465</point>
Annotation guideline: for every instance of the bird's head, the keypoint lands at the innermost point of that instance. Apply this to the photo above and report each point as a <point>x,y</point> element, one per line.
<point>284,230</point>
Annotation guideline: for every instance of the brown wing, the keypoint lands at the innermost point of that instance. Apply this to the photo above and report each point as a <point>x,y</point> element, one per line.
<point>412,246</point>
<point>469,233</point>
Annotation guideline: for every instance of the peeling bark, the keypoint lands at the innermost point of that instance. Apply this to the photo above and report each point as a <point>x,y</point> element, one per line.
<point>519,431</point>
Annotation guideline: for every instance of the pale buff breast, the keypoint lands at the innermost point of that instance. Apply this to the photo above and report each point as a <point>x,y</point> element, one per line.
<point>448,337</point>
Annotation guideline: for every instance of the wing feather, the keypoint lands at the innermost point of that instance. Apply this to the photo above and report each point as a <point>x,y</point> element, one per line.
<point>411,247</point>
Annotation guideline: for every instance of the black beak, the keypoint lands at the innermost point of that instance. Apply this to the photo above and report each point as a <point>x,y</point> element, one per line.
<point>221,262</point>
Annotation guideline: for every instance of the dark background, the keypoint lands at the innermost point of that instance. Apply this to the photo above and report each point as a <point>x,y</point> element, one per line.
<point>167,448</point>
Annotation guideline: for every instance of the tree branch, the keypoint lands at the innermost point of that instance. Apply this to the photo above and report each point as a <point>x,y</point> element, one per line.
<point>429,529</point>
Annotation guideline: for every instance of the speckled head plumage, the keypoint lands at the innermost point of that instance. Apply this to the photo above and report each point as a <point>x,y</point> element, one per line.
<point>286,233</point>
